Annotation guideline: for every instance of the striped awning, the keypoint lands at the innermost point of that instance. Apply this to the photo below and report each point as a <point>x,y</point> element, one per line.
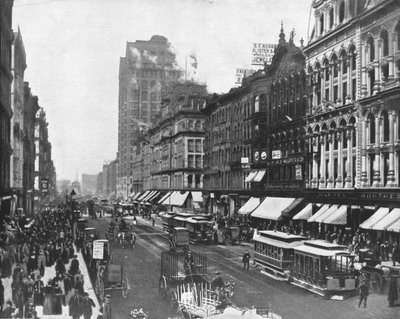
<point>319,213</point>
<point>251,176</point>
<point>305,213</point>
<point>260,174</point>
<point>388,220</point>
<point>272,207</point>
<point>197,197</point>
<point>395,227</point>
<point>339,217</point>
<point>162,200</point>
<point>376,217</point>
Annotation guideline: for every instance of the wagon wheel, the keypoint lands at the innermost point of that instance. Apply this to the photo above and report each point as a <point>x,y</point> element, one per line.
<point>125,288</point>
<point>228,240</point>
<point>173,299</point>
<point>375,282</point>
<point>163,287</point>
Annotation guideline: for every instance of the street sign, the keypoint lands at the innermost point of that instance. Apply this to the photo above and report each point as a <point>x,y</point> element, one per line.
<point>98,250</point>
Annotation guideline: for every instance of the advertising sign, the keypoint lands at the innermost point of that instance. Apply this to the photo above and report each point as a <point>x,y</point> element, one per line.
<point>245,162</point>
<point>44,185</point>
<point>299,175</point>
<point>276,154</point>
<point>262,53</point>
<point>241,73</point>
<point>98,250</point>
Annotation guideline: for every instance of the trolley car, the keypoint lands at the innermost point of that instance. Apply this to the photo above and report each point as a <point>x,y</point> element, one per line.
<point>324,268</point>
<point>200,229</point>
<point>273,251</point>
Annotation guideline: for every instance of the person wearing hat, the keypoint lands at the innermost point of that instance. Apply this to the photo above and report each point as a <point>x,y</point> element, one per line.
<point>105,308</point>
<point>75,306</point>
<point>246,260</point>
<point>87,305</point>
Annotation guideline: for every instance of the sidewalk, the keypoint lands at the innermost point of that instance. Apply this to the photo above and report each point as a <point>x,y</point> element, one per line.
<point>49,273</point>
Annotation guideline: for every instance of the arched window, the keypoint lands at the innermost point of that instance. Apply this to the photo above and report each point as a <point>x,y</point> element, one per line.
<point>371,45</point>
<point>341,12</point>
<point>385,122</point>
<point>353,59</point>
<point>385,43</point>
<point>321,24</point>
<point>371,126</point>
<point>257,104</point>
<point>331,19</point>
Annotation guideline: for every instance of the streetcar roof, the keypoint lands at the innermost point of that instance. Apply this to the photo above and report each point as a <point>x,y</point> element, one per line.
<point>285,237</point>
<point>277,243</point>
<point>180,218</point>
<point>198,221</point>
<point>320,251</point>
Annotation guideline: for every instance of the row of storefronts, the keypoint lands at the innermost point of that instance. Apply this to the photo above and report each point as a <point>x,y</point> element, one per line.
<point>317,130</point>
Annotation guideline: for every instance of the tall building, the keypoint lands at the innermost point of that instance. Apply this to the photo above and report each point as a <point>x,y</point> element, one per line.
<point>110,179</point>
<point>18,66</point>
<point>89,183</point>
<point>31,107</point>
<point>6,36</point>
<point>146,69</point>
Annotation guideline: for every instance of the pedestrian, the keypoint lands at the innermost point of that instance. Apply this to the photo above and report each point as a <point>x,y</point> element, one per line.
<point>153,220</point>
<point>87,305</point>
<point>246,260</point>
<point>392,295</point>
<point>105,308</point>
<point>75,306</point>
<point>363,289</point>
<point>1,295</point>
<point>395,253</point>
<point>8,311</point>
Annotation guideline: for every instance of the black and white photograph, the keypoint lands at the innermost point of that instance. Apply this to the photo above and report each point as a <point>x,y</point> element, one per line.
<point>190,159</point>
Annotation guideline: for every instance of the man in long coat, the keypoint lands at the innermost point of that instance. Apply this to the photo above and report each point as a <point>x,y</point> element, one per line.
<point>75,306</point>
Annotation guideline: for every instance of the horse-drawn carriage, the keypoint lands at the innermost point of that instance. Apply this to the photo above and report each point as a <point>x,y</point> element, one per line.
<point>229,235</point>
<point>121,232</point>
<point>109,276</point>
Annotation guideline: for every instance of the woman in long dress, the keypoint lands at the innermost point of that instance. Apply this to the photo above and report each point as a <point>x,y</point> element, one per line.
<point>57,303</point>
<point>48,299</point>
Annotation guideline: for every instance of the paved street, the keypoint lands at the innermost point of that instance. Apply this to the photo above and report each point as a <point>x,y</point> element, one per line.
<point>252,288</point>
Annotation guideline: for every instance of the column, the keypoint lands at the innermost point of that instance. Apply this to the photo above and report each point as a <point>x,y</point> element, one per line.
<point>349,79</point>
<point>323,97</point>
<point>349,165</point>
<point>322,161</point>
<point>378,55</point>
<point>339,179</point>
<point>363,178</point>
<point>377,165</point>
<point>364,75</point>
<point>391,179</point>
<point>330,181</point>
<point>331,82</point>
<point>340,82</point>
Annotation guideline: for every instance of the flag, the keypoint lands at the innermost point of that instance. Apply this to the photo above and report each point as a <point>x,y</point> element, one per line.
<point>194,60</point>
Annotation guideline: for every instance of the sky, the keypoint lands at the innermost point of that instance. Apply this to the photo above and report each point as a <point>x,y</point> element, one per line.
<point>73,49</point>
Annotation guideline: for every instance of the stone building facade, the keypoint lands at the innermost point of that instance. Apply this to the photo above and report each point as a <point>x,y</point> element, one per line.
<point>18,66</point>
<point>146,69</point>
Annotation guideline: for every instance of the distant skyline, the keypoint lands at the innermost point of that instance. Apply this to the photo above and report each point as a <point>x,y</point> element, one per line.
<point>73,49</point>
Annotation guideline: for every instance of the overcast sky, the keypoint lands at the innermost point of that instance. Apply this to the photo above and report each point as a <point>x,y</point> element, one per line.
<point>73,49</point>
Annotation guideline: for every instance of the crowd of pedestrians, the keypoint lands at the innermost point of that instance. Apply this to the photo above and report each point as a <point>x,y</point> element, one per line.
<point>28,248</point>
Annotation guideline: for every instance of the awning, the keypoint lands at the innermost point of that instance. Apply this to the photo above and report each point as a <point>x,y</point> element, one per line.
<point>146,198</point>
<point>136,196</point>
<point>387,221</point>
<point>131,194</point>
<point>328,213</point>
<point>319,213</point>
<point>259,176</point>
<point>376,217</point>
<point>293,205</point>
<point>161,201</point>
<point>339,217</point>
<point>177,199</point>
<point>395,227</point>
<point>305,213</point>
<point>272,207</point>
<point>250,205</point>
<point>152,197</point>
<point>197,197</point>
<point>251,176</point>
<point>143,196</point>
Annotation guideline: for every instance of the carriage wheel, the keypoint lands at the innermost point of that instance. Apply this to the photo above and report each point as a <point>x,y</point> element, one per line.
<point>228,240</point>
<point>125,287</point>
<point>173,299</point>
<point>163,287</point>
<point>376,282</point>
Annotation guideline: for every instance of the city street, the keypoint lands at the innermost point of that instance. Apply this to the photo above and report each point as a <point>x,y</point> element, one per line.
<point>142,267</point>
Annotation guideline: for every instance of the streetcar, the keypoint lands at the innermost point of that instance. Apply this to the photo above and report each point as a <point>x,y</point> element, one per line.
<point>200,229</point>
<point>324,268</point>
<point>166,221</point>
<point>273,251</point>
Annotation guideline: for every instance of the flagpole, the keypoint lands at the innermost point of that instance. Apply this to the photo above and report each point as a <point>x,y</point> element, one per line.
<point>185,68</point>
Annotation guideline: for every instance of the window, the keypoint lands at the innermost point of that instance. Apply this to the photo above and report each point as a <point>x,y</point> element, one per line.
<point>385,43</point>
<point>257,104</point>
<point>341,12</point>
<point>331,19</point>
<point>371,125</point>
<point>321,24</point>
<point>385,123</point>
<point>371,45</point>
